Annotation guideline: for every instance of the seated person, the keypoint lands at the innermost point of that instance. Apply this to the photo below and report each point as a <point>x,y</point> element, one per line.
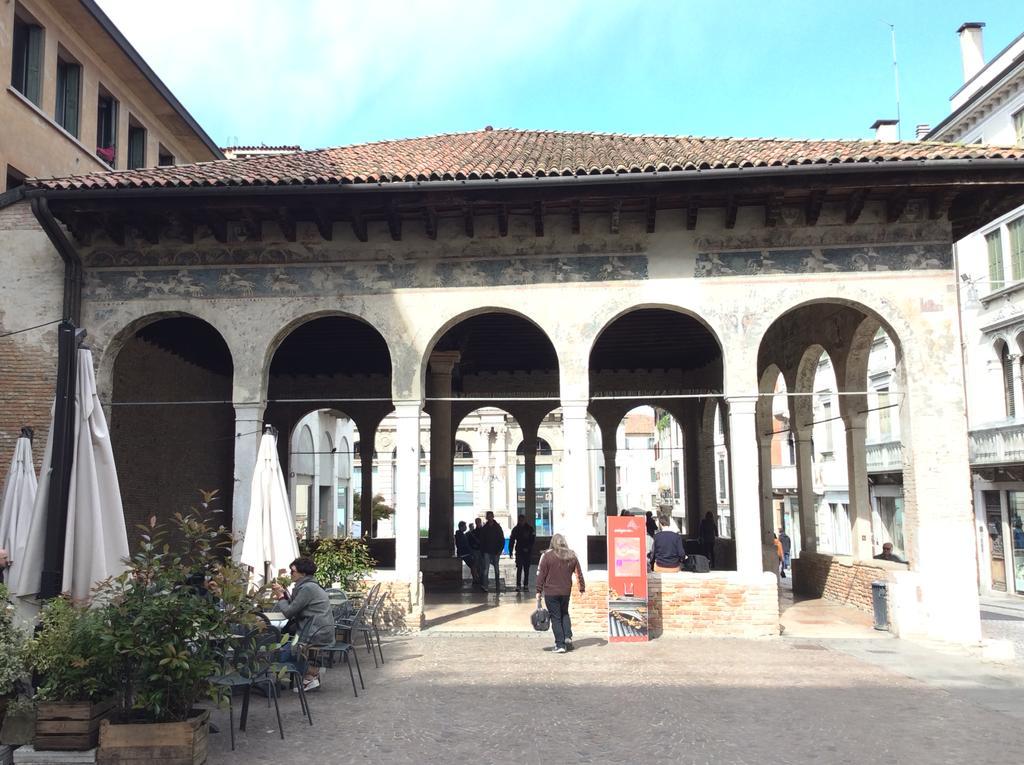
<point>307,605</point>
<point>887,554</point>
<point>667,551</point>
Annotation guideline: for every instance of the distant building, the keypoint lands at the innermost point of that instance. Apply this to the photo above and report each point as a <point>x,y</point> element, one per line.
<point>989,109</point>
<point>243,152</point>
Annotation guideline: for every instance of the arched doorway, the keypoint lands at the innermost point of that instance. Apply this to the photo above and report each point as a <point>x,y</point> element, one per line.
<point>172,423</point>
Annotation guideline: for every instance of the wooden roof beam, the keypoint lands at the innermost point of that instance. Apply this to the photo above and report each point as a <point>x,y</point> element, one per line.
<point>894,207</point>
<point>939,203</point>
<point>183,226</point>
<point>218,225</point>
<point>81,228</point>
<point>538,219</point>
<point>394,222</point>
<point>772,208</point>
<point>252,226</point>
<point>812,210</point>
<point>616,216</point>
<point>114,229</point>
<point>691,214</point>
<point>430,222</point>
<point>855,205</point>
<point>286,222</point>
<point>574,216</point>
<point>324,223</point>
<point>467,220</point>
<point>502,220</point>
<point>148,229</point>
<point>359,226</point>
<point>652,214</point>
<point>731,208</point>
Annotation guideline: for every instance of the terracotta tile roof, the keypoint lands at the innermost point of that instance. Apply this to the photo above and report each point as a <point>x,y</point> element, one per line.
<point>487,154</point>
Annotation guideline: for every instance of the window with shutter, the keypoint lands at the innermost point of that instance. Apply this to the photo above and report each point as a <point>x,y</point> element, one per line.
<point>1007,363</point>
<point>27,60</point>
<point>1016,229</point>
<point>136,145</point>
<point>106,127</point>
<point>994,242</point>
<point>69,78</point>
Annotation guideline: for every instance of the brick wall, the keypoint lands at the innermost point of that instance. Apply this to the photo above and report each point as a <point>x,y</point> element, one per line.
<point>31,290</point>
<point>719,604</point>
<point>165,454</point>
<point>839,578</point>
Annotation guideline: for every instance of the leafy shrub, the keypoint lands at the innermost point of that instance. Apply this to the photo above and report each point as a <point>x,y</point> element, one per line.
<point>73,661</point>
<point>13,646</point>
<point>341,560</point>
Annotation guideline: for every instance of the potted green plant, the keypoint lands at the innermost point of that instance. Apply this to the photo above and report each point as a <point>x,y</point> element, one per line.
<point>167,619</point>
<point>13,646</point>
<point>76,675</point>
<point>341,562</point>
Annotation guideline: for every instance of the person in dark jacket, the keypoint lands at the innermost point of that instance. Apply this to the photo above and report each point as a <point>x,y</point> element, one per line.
<point>667,552</point>
<point>708,533</point>
<point>308,611</point>
<point>473,540</point>
<point>521,545</point>
<point>492,542</point>
<point>652,527</point>
<point>554,583</point>
<point>465,552</point>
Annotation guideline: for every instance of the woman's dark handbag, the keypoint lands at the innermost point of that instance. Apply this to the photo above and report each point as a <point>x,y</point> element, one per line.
<point>540,619</point>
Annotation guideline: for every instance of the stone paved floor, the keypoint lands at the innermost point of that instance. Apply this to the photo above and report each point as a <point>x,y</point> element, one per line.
<point>451,698</point>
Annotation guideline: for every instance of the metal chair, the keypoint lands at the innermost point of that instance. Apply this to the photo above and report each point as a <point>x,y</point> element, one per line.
<point>295,668</point>
<point>244,666</point>
<point>364,621</point>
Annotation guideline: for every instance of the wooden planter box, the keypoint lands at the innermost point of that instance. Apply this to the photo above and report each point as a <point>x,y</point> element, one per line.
<point>180,743</point>
<point>70,726</point>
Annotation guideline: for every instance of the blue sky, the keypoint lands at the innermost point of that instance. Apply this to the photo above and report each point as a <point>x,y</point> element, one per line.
<point>333,72</point>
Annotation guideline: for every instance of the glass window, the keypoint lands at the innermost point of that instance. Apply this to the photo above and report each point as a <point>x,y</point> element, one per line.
<point>27,62</point>
<point>994,243</point>
<point>69,86</point>
<point>884,414</point>
<point>600,477</point>
<point>165,158</point>
<point>890,513</point>
<point>826,425</point>
<point>462,483</point>
<point>722,493</point>
<point>654,474</point>
<point>1016,231</point>
<point>106,127</point>
<point>1007,363</point>
<point>136,145</point>
<point>1015,508</point>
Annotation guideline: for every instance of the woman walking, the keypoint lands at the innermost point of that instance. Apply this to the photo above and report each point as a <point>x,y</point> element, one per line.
<point>554,582</point>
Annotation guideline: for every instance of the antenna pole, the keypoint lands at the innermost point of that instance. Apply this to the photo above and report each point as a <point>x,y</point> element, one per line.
<point>896,80</point>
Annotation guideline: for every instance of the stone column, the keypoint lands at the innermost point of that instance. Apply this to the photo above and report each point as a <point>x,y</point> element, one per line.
<point>1018,388</point>
<point>571,513</point>
<point>366,473</point>
<point>805,490</point>
<point>857,472</point>
<point>442,511</point>
<point>746,511</point>
<point>609,448</point>
<point>407,491</point>
<point>530,430</point>
<point>764,473</point>
<point>248,431</point>
<point>691,475</point>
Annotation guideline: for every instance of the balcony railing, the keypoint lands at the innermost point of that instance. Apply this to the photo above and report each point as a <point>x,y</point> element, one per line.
<point>784,476</point>
<point>995,446</point>
<point>886,457</point>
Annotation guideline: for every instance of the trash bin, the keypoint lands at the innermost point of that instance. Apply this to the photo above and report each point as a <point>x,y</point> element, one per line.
<point>880,604</point>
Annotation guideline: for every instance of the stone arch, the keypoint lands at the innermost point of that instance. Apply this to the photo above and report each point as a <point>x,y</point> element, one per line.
<point>171,377</point>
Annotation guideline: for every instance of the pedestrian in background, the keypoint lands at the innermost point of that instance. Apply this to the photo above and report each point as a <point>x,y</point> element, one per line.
<point>554,583</point>
<point>708,533</point>
<point>520,544</point>
<point>492,542</point>
<point>787,547</point>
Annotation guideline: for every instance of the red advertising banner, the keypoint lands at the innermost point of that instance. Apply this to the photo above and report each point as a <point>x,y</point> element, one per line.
<point>627,579</point>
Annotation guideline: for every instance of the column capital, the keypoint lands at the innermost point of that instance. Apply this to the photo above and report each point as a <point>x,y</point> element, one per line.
<point>408,408</point>
<point>574,410</point>
<point>741,404</point>
<point>442,362</point>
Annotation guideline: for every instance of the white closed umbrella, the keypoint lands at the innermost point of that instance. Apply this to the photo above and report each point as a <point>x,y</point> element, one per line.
<point>19,498</point>
<point>268,542</point>
<point>96,540</point>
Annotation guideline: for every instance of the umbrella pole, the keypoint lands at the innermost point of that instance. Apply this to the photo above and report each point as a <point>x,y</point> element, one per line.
<point>52,579</point>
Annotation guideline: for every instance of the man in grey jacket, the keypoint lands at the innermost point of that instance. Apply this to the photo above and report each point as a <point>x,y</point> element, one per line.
<point>308,611</point>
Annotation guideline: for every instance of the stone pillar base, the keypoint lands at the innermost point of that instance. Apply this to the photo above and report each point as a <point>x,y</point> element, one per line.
<point>442,573</point>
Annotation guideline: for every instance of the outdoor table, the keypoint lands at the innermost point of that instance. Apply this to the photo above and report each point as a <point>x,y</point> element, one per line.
<point>276,618</point>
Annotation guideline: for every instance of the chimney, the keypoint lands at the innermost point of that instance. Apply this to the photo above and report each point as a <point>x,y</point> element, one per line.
<point>972,55</point>
<point>922,130</point>
<point>885,130</point>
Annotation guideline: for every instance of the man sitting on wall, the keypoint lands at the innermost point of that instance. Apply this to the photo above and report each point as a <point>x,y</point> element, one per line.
<point>667,552</point>
<point>465,553</point>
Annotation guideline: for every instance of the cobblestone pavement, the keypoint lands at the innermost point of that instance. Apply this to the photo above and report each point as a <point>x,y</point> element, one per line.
<point>1003,619</point>
<point>504,698</point>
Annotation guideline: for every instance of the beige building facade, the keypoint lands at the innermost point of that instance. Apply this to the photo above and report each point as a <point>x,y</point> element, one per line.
<point>78,98</point>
